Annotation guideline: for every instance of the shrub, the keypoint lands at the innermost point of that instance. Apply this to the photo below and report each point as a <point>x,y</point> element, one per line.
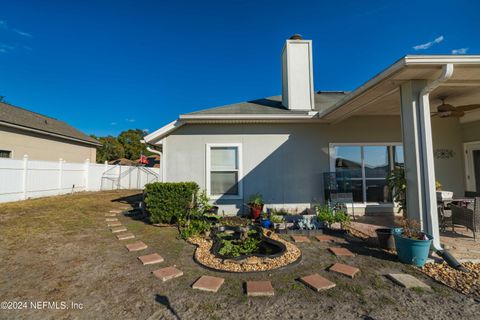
<point>194,227</point>
<point>168,202</point>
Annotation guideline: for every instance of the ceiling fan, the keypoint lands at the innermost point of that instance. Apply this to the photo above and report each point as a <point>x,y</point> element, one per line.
<point>446,110</point>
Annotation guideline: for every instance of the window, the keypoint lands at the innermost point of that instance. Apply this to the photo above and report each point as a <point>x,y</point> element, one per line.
<point>224,170</point>
<point>368,166</point>
<point>5,154</point>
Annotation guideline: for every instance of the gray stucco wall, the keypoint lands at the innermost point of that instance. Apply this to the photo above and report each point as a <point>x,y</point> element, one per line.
<point>285,162</point>
<point>471,131</point>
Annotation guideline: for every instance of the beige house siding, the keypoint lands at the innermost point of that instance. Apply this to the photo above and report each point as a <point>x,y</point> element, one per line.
<point>285,162</point>
<point>471,131</point>
<point>42,147</point>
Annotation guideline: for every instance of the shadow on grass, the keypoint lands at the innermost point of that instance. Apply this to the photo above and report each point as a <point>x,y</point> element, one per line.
<point>132,200</point>
<point>163,300</point>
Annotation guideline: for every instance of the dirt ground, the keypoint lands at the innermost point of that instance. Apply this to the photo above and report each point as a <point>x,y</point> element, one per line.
<point>59,250</point>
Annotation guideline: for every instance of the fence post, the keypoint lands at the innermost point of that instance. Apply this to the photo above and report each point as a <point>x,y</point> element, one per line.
<point>24,176</point>
<point>60,173</point>
<point>86,168</point>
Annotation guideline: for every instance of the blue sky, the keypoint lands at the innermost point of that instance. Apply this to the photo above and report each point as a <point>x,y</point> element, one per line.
<point>106,66</point>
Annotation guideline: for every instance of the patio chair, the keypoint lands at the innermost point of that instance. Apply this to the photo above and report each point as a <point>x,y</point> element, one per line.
<point>469,218</point>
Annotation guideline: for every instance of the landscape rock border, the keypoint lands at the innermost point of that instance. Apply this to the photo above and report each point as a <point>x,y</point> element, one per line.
<point>206,258</point>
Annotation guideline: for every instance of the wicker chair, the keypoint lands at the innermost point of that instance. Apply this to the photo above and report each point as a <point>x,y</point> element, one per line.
<point>469,218</point>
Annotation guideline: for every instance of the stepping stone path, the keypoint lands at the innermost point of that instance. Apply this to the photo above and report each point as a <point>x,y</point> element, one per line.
<point>110,214</point>
<point>323,238</point>
<point>111,219</point>
<point>300,239</point>
<point>344,269</point>
<point>118,229</point>
<point>208,283</point>
<point>151,259</point>
<point>341,252</point>
<point>259,288</point>
<point>167,273</point>
<point>115,211</point>
<point>407,281</point>
<point>114,224</point>
<point>136,246</point>
<point>317,282</point>
<point>125,236</point>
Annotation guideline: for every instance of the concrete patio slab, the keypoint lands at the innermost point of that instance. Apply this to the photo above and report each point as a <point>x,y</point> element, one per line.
<point>341,252</point>
<point>407,281</point>
<point>111,219</point>
<point>125,236</point>
<point>118,229</point>
<point>167,273</point>
<point>324,238</point>
<point>110,214</point>
<point>300,239</point>
<point>259,288</point>
<point>114,224</point>
<point>151,259</point>
<point>136,246</point>
<point>317,282</point>
<point>115,211</point>
<point>208,283</point>
<point>344,269</point>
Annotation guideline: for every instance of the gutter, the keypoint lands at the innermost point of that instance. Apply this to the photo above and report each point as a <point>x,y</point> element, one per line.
<point>7,124</point>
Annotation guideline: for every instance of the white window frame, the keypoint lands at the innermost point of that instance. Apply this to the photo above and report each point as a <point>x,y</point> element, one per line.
<point>208,147</point>
<point>470,182</point>
<point>364,179</point>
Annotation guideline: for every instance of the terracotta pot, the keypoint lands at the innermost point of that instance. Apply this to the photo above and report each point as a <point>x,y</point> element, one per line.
<point>255,211</point>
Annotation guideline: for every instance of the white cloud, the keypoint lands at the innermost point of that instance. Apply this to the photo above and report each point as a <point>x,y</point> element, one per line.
<point>4,25</point>
<point>22,33</point>
<point>113,123</point>
<point>427,45</point>
<point>130,120</point>
<point>460,51</point>
<point>5,48</point>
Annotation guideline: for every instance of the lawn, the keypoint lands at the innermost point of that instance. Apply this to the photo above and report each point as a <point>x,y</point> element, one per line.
<point>60,249</point>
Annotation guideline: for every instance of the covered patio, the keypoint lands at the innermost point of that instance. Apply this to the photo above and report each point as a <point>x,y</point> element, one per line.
<point>437,100</point>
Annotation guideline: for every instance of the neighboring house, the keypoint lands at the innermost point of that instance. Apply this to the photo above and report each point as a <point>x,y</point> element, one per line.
<point>24,132</point>
<point>282,146</point>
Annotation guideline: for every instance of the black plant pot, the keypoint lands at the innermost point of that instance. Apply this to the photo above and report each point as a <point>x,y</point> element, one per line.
<point>385,238</point>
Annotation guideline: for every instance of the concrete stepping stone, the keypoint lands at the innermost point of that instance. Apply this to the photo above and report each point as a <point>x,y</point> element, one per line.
<point>167,273</point>
<point>125,236</point>
<point>118,229</point>
<point>324,238</point>
<point>300,239</point>
<point>344,269</point>
<point>317,282</point>
<point>110,214</point>
<point>136,246</point>
<point>114,224</point>
<point>208,283</point>
<point>259,288</point>
<point>407,281</point>
<point>111,219</point>
<point>115,211</point>
<point>151,259</point>
<point>341,252</point>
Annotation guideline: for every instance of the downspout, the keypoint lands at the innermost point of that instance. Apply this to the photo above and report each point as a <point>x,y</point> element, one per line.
<point>159,153</point>
<point>431,216</point>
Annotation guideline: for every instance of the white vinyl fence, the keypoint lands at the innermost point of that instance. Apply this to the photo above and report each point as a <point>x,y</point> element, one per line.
<point>23,179</point>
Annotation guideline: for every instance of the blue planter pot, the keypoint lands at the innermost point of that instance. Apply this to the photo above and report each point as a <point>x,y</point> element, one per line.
<point>266,223</point>
<point>412,251</point>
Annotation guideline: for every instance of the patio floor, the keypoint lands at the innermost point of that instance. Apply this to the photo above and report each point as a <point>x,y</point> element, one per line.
<point>460,243</point>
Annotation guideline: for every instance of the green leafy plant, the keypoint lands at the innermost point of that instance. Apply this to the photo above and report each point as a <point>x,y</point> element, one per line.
<point>325,214</point>
<point>343,218</point>
<point>235,221</point>
<point>203,202</point>
<point>256,200</point>
<point>235,248</point>
<point>276,218</point>
<point>194,227</point>
<point>169,202</point>
<point>398,187</point>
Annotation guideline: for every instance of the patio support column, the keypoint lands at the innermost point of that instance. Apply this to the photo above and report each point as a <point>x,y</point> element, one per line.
<point>418,155</point>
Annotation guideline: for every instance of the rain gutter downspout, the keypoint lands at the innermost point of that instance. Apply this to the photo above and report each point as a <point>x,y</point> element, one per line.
<point>159,153</point>
<point>430,220</point>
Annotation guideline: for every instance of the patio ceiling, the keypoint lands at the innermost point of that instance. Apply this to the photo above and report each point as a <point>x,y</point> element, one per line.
<point>381,95</point>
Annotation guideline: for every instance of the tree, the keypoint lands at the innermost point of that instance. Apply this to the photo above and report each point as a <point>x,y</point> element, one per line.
<point>130,140</point>
<point>111,149</point>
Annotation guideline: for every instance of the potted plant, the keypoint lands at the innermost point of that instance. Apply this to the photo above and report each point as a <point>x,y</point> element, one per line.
<point>277,221</point>
<point>413,245</point>
<point>266,223</point>
<point>255,203</point>
<point>329,216</point>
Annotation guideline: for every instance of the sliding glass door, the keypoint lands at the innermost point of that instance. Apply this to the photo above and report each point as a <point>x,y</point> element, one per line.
<point>368,165</point>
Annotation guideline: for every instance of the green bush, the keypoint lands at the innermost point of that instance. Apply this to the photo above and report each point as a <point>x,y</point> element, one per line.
<point>194,227</point>
<point>168,202</point>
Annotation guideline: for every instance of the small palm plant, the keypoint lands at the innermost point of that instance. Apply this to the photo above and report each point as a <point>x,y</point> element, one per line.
<point>398,187</point>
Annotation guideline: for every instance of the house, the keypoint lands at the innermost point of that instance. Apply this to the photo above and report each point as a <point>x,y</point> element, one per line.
<point>422,111</point>
<point>24,132</point>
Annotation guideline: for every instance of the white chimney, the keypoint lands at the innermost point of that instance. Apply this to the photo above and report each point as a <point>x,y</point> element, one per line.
<point>297,74</point>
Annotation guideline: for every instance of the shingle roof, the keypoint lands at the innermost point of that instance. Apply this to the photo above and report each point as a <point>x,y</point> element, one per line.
<point>31,120</point>
<point>273,105</point>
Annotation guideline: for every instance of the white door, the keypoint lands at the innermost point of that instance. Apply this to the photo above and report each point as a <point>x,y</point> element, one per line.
<point>472,161</point>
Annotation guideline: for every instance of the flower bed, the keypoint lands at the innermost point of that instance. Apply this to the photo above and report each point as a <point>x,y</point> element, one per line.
<point>204,256</point>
